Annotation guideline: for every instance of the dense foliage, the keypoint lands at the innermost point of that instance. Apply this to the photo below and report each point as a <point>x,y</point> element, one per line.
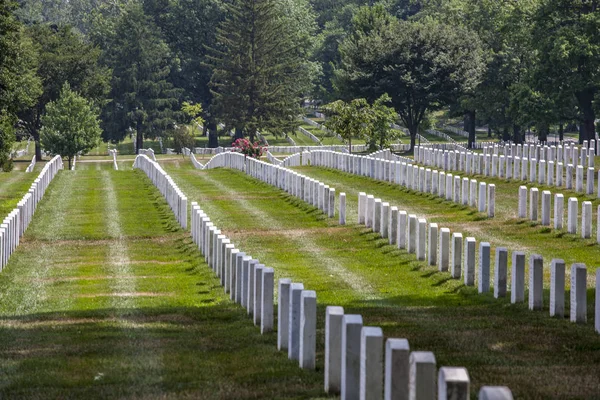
<point>251,63</point>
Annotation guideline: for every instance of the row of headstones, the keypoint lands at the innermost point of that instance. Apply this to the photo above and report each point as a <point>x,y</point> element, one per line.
<point>148,152</point>
<point>412,234</point>
<point>196,163</point>
<point>354,359</point>
<point>307,189</point>
<point>567,153</point>
<point>16,222</point>
<point>293,160</point>
<point>358,367</point>
<point>559,204</point>
<point>165,185</point>
<point>113,153</point>
<point>464,191</point>
<point>31,165</point>
<point>247,282</point>
<point>524,169</point>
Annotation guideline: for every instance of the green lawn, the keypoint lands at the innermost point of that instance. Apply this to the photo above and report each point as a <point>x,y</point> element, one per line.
<point>15,184</point>
<point>499,343</point>
<point>107,298</point>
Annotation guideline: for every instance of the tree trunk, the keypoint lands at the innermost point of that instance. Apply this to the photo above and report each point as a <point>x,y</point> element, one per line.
<point>561,132</point>
<point>69,158</point>
<point>239,133</point>
<point>350,145</point>
<point>489,131</point>
<point>139,138</point>
<point>588,129</point>
<point>213,139</point>
<point>470,127</point>
<point>505,134</point>
<point>413,136</point>
<point>543,133</point>
<point>38,146</point>
<point>517,137</point>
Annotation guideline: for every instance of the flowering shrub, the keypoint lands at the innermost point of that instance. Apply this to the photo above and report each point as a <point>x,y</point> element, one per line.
<point>248,148</point>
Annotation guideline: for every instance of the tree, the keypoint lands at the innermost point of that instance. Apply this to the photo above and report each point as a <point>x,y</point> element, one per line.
<point>348,119</point>
<point>142,97</point>
<point>19,85</point>
<point>422,65</point>
<point>379,131</point>
<point>70,125</point>
<point>193,112</point>
<point>566,36</point>
<point>63,57</point>
<point>258,73</point>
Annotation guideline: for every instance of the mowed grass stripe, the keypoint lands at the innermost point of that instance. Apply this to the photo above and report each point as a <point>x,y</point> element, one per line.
<point>172,335</point>
<point>499,343</point>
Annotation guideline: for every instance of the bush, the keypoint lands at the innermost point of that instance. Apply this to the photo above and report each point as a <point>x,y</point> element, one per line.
<point>247,148</point>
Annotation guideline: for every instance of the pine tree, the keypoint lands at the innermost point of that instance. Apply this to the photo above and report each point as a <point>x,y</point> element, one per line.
<point>257,70</point>
<point>142,97</point>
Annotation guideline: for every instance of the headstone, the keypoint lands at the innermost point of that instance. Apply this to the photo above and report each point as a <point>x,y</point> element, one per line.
<point>500,272</point>
<point>533,204</point>
<point>351,335</point>
<point>456,264</point>
<point>377,216</point>
<point>362,207</point>
<point>536,282</point>
<point>444,252</point>
<point>586,220</point>
<point>266,320</point>
<point>522,201</point>
<point>491,200</point>
<point>453,383</point>
<point>559,205</point>
<point>432,245</point>
<point>283,307</point>
<point>482,196</point>
<point>370,211</point>
<point>421,237</point>
<point>546,196</point>
<point>578,293</point>
<point>393,226</point>
<point>257,298</point>
<point>557,288</point>
<point>517,285</point>
<point>469,261</point>
<point>385,219</point>
<point>422,376</point>
<point>333,349</point>
<point>495,393</point>
<point>484,267</point>
<point>579,179</point>
<point>397,369</point>
<point>412,233</point>
<point>572,215</point>
<point>402,222</point>
<point>371,363</point>
<point>294,321</point>
<point>342,220</point>
<point>308,329</point>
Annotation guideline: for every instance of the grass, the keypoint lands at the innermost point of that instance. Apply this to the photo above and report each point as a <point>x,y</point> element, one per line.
<point>499,343</point>
<point>107,298</point>
<point>14,185</point>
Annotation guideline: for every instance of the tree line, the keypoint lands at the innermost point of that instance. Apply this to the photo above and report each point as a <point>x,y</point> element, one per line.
<point>250,64</point>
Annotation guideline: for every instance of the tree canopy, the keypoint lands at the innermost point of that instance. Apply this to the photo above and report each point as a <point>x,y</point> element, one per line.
<point>70,125</point>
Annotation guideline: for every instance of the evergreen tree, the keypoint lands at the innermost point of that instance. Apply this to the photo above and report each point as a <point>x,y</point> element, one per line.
<point>19,85</point>
<point>257,69</point>
<point>70,125</point>
<point>142,97</point>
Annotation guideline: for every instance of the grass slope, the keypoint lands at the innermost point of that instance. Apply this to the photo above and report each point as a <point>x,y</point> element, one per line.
<point>500,344</point>
<point>107,298</point>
